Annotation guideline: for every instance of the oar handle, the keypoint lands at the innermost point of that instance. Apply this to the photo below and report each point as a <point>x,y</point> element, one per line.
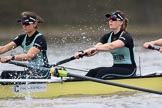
<point>153,48</point>
<point>68,59</point>
<point>82,55</point>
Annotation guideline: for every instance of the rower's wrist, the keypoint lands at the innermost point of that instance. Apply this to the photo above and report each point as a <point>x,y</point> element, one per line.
<point>96,49</point>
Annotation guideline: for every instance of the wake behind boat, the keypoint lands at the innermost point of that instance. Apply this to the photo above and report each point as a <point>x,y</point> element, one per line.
<point>48,88</point>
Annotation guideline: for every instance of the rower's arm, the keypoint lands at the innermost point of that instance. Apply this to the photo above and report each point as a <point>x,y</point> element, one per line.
<point>152,43</point>
<point>157,42</point>
<point>7,47</point>
<point>110,46</point>
<point>31,54</point>
<point>98,44</point>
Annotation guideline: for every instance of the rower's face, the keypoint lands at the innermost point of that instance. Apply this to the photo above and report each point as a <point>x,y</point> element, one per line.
<point>115,23</point>
<point>28,27</point>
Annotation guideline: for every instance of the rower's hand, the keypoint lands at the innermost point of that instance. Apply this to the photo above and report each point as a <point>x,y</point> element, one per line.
<point>147,44</point>
<point>5,59</point>
<point>77,54</point>
<point>91,51</point>
<point>88,52</point>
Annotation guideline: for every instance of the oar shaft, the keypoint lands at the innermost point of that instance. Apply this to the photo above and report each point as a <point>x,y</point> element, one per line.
<point>18,64</point>
<point>43,68</point>
<point>68,59</point>
<point>64,61</point>
<point>29,66</point>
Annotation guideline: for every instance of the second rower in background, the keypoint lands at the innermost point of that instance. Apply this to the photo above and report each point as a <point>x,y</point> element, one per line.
<point>120,44</point>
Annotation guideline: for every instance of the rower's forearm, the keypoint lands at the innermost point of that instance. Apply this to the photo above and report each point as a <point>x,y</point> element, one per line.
<point>7,47</point>
<point>3,49</point>
<point>157,42</point>
<point>22,57</point>
<point>104,47</point>
<point>98,44</point>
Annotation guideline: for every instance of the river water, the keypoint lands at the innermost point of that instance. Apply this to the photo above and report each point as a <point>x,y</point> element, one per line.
<point>64,46</point>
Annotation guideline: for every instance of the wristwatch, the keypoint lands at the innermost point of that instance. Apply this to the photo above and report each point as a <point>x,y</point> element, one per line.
<point>13,57</point>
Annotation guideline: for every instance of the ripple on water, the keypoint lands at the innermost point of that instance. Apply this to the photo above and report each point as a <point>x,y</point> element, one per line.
<point>139,100</point>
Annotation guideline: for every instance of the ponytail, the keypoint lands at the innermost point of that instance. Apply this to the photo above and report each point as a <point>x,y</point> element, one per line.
<point>125,24</point>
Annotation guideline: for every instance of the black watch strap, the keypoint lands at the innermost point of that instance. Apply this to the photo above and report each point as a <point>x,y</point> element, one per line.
<point>13,57</point>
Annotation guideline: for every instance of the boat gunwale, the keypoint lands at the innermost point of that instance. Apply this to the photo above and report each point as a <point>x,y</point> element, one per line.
<point>74,80</point>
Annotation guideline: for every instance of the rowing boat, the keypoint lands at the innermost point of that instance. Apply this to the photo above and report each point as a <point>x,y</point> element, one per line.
<point>49,88</point>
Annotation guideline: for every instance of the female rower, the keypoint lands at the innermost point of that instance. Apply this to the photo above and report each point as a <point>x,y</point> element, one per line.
<point>120,44</point>
<point>34,48</point>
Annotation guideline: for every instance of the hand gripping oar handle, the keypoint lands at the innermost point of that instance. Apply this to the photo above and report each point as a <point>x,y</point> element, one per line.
<point>153,48</point>
<point>71,58</point>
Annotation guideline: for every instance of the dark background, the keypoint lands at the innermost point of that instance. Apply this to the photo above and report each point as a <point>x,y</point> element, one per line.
<point>82,12</point>
<point>73,17</point>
